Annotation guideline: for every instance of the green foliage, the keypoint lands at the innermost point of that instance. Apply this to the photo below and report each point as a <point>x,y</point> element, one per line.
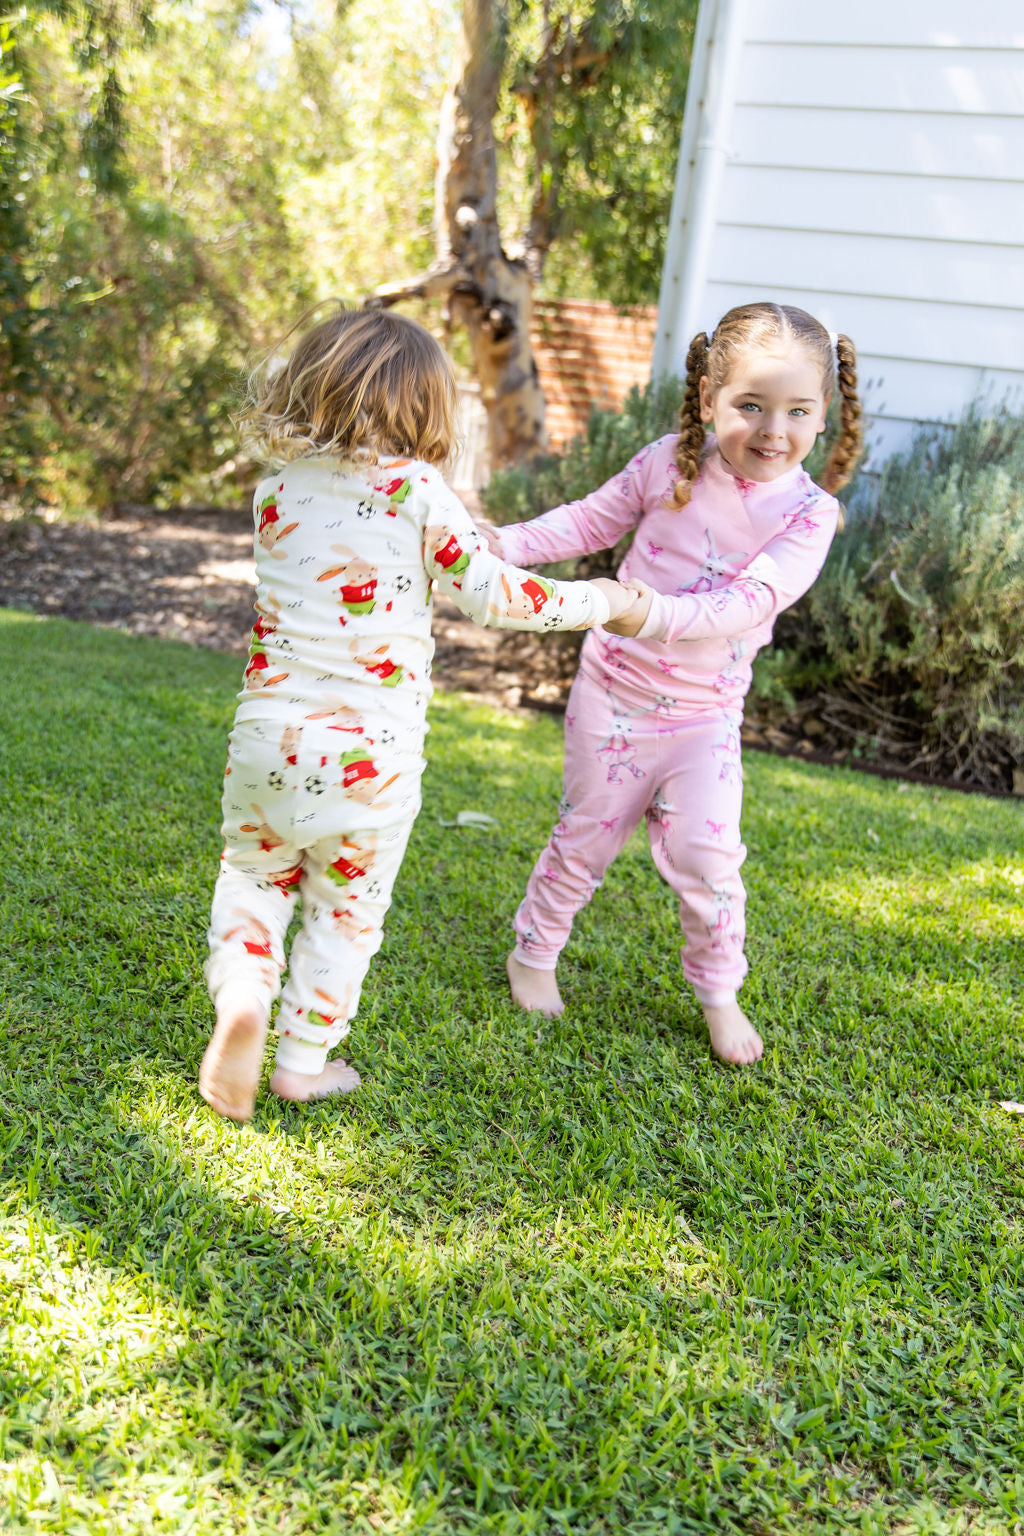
<point>18,357</point>
<point>537,1276</point>
<point>918,616</point>
<point>165,232</point>
<point>158,233</point>
<point>365,88</point>
<point>53,141</point>
<point>590,127</point>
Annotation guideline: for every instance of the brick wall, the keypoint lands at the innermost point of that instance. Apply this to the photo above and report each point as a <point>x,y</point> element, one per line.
<point>588,354</point>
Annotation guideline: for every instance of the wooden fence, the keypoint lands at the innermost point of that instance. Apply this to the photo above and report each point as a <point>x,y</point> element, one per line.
<point>588,355</point>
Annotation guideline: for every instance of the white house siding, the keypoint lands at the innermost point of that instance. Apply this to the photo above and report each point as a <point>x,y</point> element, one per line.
<point>873,173</point>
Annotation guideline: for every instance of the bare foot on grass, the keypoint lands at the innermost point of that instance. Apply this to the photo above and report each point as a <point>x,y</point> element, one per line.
<point>230,1070</point>
<point>733,1037</point>
<point>536,991</point>
<point>336,1077</point>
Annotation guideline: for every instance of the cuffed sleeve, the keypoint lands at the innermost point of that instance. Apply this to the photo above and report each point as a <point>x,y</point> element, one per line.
<point>494,592</point>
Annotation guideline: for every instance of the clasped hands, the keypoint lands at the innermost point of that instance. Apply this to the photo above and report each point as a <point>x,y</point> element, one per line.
<point>630,603</point>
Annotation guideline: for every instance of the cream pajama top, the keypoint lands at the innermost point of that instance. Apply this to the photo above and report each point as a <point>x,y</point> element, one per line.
<point>347,557</point>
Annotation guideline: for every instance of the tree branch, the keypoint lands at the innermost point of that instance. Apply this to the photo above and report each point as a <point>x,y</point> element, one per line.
<point>565,56</point>
<point>434,281</point>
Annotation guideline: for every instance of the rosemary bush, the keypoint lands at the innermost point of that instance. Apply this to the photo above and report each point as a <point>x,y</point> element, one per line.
<point>914,632</point>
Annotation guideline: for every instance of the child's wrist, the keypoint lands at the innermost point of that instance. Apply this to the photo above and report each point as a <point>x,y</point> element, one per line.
<point>602,591</point>
<point>492,537</point>
<point>654,621</point>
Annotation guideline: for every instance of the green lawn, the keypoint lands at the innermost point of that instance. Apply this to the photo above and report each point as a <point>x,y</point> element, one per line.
<point>573,1276</point>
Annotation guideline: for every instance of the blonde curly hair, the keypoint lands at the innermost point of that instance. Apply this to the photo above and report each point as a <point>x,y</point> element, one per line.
<point>761,325</point>
<point>362,382</point>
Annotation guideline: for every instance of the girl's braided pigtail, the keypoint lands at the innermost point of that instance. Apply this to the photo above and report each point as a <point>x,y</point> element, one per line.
<point>691,428</point>
<point>847,447</point>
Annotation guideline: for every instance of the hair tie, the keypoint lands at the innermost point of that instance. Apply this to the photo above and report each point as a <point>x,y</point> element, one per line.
<point>833,341</point>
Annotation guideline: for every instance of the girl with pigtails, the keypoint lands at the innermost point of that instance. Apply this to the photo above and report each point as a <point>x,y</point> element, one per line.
<point>729,530</point>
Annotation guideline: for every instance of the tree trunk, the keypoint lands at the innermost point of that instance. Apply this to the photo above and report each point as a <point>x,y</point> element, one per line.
<point>486,292</point>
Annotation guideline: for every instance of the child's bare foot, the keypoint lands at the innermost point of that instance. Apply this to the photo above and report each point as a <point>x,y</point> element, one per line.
<point>536,991</point>
<point>230,1070</point>
<point>733,1037</point>
<point>336,1077</point>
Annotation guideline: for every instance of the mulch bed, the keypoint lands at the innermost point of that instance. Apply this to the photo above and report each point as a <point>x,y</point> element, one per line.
<point>188,575</point>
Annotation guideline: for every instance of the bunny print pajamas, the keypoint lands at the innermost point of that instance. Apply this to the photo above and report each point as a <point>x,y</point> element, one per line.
<point>326,755</point>
<point>652,728</point>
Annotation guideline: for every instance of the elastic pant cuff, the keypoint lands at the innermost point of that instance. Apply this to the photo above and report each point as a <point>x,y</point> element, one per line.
<point>531,961</point>
<point>226,974</point>
<point>711,999</point>
<point>297,1055</point>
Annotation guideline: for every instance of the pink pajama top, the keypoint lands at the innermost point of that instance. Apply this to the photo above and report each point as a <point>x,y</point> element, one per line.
<point>722,567</point>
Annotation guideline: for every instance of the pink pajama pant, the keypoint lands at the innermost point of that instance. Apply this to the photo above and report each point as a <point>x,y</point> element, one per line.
<point>627,761</point>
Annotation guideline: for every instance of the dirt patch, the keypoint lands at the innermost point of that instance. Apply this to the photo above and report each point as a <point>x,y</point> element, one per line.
<point>183,578</point>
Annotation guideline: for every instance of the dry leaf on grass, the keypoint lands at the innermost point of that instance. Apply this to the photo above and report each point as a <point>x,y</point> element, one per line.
<point>470,819</point>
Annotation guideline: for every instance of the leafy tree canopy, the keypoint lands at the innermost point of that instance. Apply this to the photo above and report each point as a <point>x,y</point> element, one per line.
<point>158,230</point>
<point>591,115</point>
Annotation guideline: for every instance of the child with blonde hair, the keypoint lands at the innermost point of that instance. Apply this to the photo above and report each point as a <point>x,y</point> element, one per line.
<point>729,530</point>
<point>353,529</point>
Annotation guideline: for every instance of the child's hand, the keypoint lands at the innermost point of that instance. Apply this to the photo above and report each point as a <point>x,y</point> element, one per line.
<point>491,534</point>
<point>616,595</point>
<point>630,605</point>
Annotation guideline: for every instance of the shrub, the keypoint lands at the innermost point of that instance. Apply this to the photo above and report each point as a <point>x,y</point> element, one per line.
<point>608,443</point>
<point>914,632</point>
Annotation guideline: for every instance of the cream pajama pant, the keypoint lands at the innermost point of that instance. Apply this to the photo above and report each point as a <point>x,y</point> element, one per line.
<point>320,823</point>
<point>627,760</point>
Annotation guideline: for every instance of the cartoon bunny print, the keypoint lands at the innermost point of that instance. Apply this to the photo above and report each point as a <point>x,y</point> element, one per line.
<point>657,815</point>
<point>268,838</point>
<point>714,566</point>
<point>269,530</point>
<point>730,770</point>
<point>379,665</point>
<point>353,863</point>
<point>357,592</point>
<point>528,598</point>
<point>618,750</point>
<point>720,926</point>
